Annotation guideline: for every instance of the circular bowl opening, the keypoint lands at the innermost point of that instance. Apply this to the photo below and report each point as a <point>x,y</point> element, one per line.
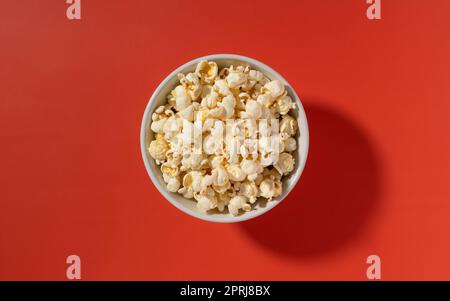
<point>189,205</point>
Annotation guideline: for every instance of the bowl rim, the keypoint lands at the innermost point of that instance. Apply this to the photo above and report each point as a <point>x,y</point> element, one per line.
<point>167,195</point>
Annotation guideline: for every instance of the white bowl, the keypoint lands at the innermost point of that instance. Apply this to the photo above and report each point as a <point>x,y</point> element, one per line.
<point>189,205</point>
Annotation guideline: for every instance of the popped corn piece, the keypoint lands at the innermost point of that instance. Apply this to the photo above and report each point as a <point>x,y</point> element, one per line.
<point>271,173</point>
<point>187,113</point>
<point>207,71</point>
<point>192,160</point>
<point>221,188</point>
<point>251,167</point>
<point>256,75</point>
<point>249,190</point>
<point>169,169</point>
<point>222,201</point>
<point>235,173</point>
<point>192,84</point>
<point>172,126</point>
<point>157,126</point>
<point>209,180</point>
<point>221,87</point>
<point>173,185</point>
<point>278,188</point>
<point>290,144</point>
<point>222,178</point>
<point>224,73</point>
<point>193,180</point>
<point>182,99</point>
<point>265,100</point>
<point>210,100</point>
<point>228,103</point>
<point>158,149</point>
<point>186,192</point>
<point>236,78</point>
<point>210,144</point>
<point>267,188</point>
<point>268,158</point>
<point>258,179</point>
<point>288,125</point>
<point>285,163</point>
<point>160,110</point>
<point>204,203</point>
<point>284,104</point>
<point>238,202</point>
<point>218,112</point>
<point>275,88</point>
<point>253,109</point>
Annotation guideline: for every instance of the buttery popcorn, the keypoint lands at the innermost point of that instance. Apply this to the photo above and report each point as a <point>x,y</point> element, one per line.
<point>225,138</point>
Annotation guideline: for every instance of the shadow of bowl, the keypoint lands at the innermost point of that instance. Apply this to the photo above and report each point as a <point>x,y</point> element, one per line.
<point>335,197</point>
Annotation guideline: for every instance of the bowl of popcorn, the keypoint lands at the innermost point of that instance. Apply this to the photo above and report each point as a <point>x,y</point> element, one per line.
<point>224,138</point>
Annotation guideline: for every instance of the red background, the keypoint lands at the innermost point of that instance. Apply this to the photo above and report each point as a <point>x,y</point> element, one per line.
<point>72,179</point>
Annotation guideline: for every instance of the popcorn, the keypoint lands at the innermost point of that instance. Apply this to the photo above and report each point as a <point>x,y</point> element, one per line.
<point>173,185</point>
<point>271,173</point>
<point>265,100</point>
<point>270,188</point>
<point>278,188</point>
<point>192,161</point>
<point>238,202</point>
<point>210,100</point>
<point>158,125</point>
<point>224,73</point>
<point>172,126</point>
<point>169,169</point>
<point>158,149</point>
<point>251,168</point>
<point>284,104</point>
<point>288,126</point>
<point>186,192</point>
<point>193,180</point>
<point>259,179</point>
<point>267,188</point>
<point>249,190</point>
<point>225,137</point>
<point>204,203</point>
<point>253,109</point>
<point>222,188</point>
<point>275,88</point>
<point>210,144</point>
<point>290,144</point>
<point>217,112</point>
<point>207,71</point>
<point>228,103</point>
<point>206,199</point>
<point>192,85</point>
<point>222,177</point>
<point>235,173</point>
<point>268,158</point>
<point>285,163</point>
<point>236,78</point>
<point>222,201</point>
<point>222,88</point>
<point>256,75</point>
<point>182,99</point>
<point>187,113</point>
<point>209,180</point>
